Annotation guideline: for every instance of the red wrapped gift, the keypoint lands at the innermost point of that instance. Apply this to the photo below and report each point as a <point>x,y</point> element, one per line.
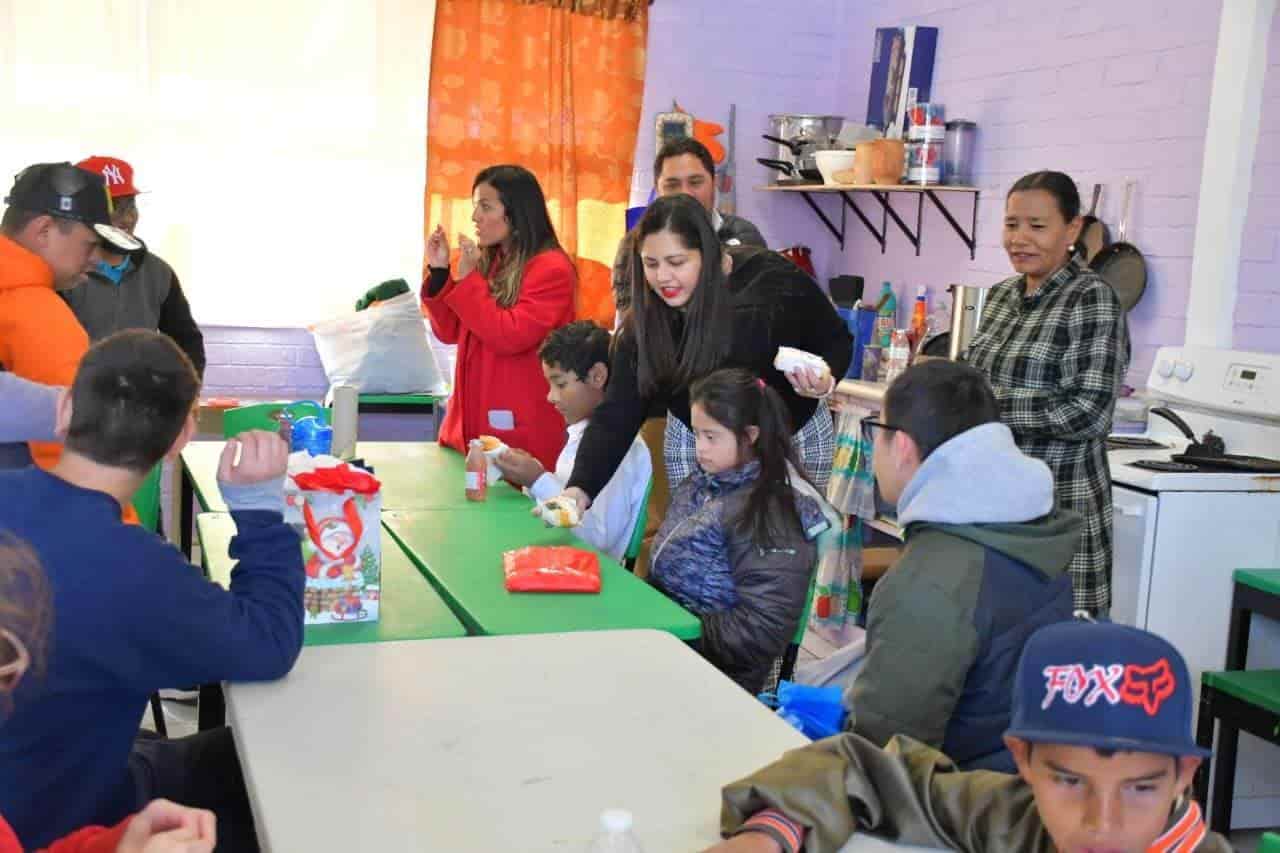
<point>551,568</point>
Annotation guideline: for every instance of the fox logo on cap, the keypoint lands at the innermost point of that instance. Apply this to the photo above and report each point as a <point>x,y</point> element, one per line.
<point>1144,686</point>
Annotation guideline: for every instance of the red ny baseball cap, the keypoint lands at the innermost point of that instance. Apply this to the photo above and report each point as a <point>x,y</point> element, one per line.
<point>117,173</point>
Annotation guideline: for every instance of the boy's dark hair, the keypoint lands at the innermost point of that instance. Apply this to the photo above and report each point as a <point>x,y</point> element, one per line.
<point>935,401</point>
<point>576,348</point>
<point>131,397</point>
<point>677,147</point>
<point>737,399</point>
<point>1056,184</point>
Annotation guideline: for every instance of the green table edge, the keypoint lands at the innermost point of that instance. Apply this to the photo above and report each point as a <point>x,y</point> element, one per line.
<point>1263,580</point>
<point>333,635</point>
<point>693,632</point>
<point>403,399</point>
<point>1260,687</point>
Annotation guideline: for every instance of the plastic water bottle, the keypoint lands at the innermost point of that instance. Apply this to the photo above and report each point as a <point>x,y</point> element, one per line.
<point>615,834</point>
<point>312,435</point>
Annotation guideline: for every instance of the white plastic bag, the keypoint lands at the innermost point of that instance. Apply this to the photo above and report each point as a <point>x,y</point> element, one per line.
<point>381,350</point>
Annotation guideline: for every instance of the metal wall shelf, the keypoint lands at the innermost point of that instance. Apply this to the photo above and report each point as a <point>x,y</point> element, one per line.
<point>881,193</point>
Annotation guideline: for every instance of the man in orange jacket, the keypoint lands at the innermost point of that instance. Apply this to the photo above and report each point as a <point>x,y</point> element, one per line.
<point>57,216</point>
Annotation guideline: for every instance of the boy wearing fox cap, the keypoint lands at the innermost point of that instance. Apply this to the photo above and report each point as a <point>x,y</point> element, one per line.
<point>1101,734</point>
<point>134,289</point>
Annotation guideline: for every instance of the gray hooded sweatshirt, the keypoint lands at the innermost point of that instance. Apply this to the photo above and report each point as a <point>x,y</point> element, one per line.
<point>985,565</point>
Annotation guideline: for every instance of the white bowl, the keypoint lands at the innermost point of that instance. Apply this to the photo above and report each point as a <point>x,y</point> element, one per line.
<point>830,162</point>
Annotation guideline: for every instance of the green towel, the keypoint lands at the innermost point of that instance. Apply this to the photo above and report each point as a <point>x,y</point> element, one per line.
<point>382,292</point>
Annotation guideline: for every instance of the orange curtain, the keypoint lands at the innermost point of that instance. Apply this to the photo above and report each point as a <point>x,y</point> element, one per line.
<point>552,85</point>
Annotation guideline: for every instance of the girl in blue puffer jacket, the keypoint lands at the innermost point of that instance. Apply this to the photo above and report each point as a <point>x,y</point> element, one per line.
<point>736,546</point>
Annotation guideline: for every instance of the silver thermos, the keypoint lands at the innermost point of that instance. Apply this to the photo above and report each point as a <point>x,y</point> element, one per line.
<point>966,313</point>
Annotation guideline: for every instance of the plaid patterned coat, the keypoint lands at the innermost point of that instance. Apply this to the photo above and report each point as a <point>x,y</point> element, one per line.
<point>1057,359</point>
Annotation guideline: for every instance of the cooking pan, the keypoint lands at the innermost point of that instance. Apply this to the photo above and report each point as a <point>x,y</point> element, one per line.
<point>806,176</point>
<point>1094,234</point>
<point>1121,264</point>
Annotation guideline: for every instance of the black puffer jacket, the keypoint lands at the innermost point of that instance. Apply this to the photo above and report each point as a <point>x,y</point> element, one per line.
<point>749,598</point>
<point>775,304</point>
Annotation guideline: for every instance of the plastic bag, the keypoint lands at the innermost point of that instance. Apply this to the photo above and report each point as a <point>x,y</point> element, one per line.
<point>817,712</point>
<point>551,568</point>
<point>381,350</point>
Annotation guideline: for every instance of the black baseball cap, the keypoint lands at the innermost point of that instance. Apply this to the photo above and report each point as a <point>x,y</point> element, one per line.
<point>66,192</point>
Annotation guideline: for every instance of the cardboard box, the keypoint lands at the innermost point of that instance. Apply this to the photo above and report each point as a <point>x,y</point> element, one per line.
<point>901,75</point>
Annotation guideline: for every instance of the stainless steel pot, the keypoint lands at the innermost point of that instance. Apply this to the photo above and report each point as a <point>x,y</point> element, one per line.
<point>796,136</point>
<point>966,315</point>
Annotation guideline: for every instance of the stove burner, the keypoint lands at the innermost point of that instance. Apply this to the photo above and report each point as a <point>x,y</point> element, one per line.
<point>1166,467</point>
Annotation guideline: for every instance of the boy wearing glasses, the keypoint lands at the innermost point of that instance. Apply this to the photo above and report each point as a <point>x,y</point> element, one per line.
<point>985,565</point>
<point>132,290</point>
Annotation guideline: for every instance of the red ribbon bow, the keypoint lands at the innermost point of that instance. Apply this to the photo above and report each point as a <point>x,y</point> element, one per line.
<point>339,479</point>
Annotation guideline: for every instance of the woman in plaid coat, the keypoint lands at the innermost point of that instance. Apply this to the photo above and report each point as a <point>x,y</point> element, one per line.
<point>1055,344</point>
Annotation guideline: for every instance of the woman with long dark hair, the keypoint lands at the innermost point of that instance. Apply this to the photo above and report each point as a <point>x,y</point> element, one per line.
<point>736,546</point>
<point>1055,344</point>
<point>696,309</point>
<point>512,286</point>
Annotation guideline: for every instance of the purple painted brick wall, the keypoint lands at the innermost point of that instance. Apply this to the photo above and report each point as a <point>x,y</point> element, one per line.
<point>1258,303</point>
<point>765,57</point>
<point>262,363</point>
<point>1100,90</point>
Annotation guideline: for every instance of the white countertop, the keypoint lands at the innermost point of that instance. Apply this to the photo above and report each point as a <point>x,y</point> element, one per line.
<point>497,743</point>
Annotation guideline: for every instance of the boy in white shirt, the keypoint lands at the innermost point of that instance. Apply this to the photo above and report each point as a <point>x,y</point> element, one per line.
<point>575,360</point>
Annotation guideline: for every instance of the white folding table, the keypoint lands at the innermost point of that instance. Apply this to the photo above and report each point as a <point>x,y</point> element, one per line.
<point>497,743</point>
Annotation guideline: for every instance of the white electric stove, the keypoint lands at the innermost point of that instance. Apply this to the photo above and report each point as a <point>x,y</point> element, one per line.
<point>1180,534</point>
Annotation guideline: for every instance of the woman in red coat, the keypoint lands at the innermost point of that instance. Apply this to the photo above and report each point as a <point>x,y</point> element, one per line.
<point>513,286</point>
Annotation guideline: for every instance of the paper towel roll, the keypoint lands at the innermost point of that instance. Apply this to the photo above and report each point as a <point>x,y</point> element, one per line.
<point>346,412</point>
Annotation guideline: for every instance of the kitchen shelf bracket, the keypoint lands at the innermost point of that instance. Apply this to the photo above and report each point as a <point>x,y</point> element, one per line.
<point>838,233</point>
<point>970,239</point>
<point>880,235</point>
<point>914,236</point>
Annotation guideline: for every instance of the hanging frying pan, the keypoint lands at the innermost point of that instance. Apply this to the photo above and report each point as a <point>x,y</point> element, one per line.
<point>1094,234</point>
<point>1121,264</point>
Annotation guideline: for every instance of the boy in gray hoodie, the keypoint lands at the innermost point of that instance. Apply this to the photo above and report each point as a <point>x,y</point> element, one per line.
<point>985,565</point>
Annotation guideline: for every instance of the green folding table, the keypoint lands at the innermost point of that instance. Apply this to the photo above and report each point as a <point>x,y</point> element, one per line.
<point>414,475</point>
<point>408,610</point>
<point>461,554</point>
<point>405,404</point>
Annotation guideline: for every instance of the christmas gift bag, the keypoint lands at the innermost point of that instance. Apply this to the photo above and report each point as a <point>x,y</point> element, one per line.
<point>336,509</point>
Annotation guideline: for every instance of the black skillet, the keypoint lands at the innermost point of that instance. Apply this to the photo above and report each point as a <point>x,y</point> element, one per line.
<point>1210,453</point>
<point>806,176</point>
<point>1121,265</point>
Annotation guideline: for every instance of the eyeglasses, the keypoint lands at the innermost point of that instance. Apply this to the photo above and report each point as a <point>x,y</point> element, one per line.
<point>12,672</point>
<point>870,424</point>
